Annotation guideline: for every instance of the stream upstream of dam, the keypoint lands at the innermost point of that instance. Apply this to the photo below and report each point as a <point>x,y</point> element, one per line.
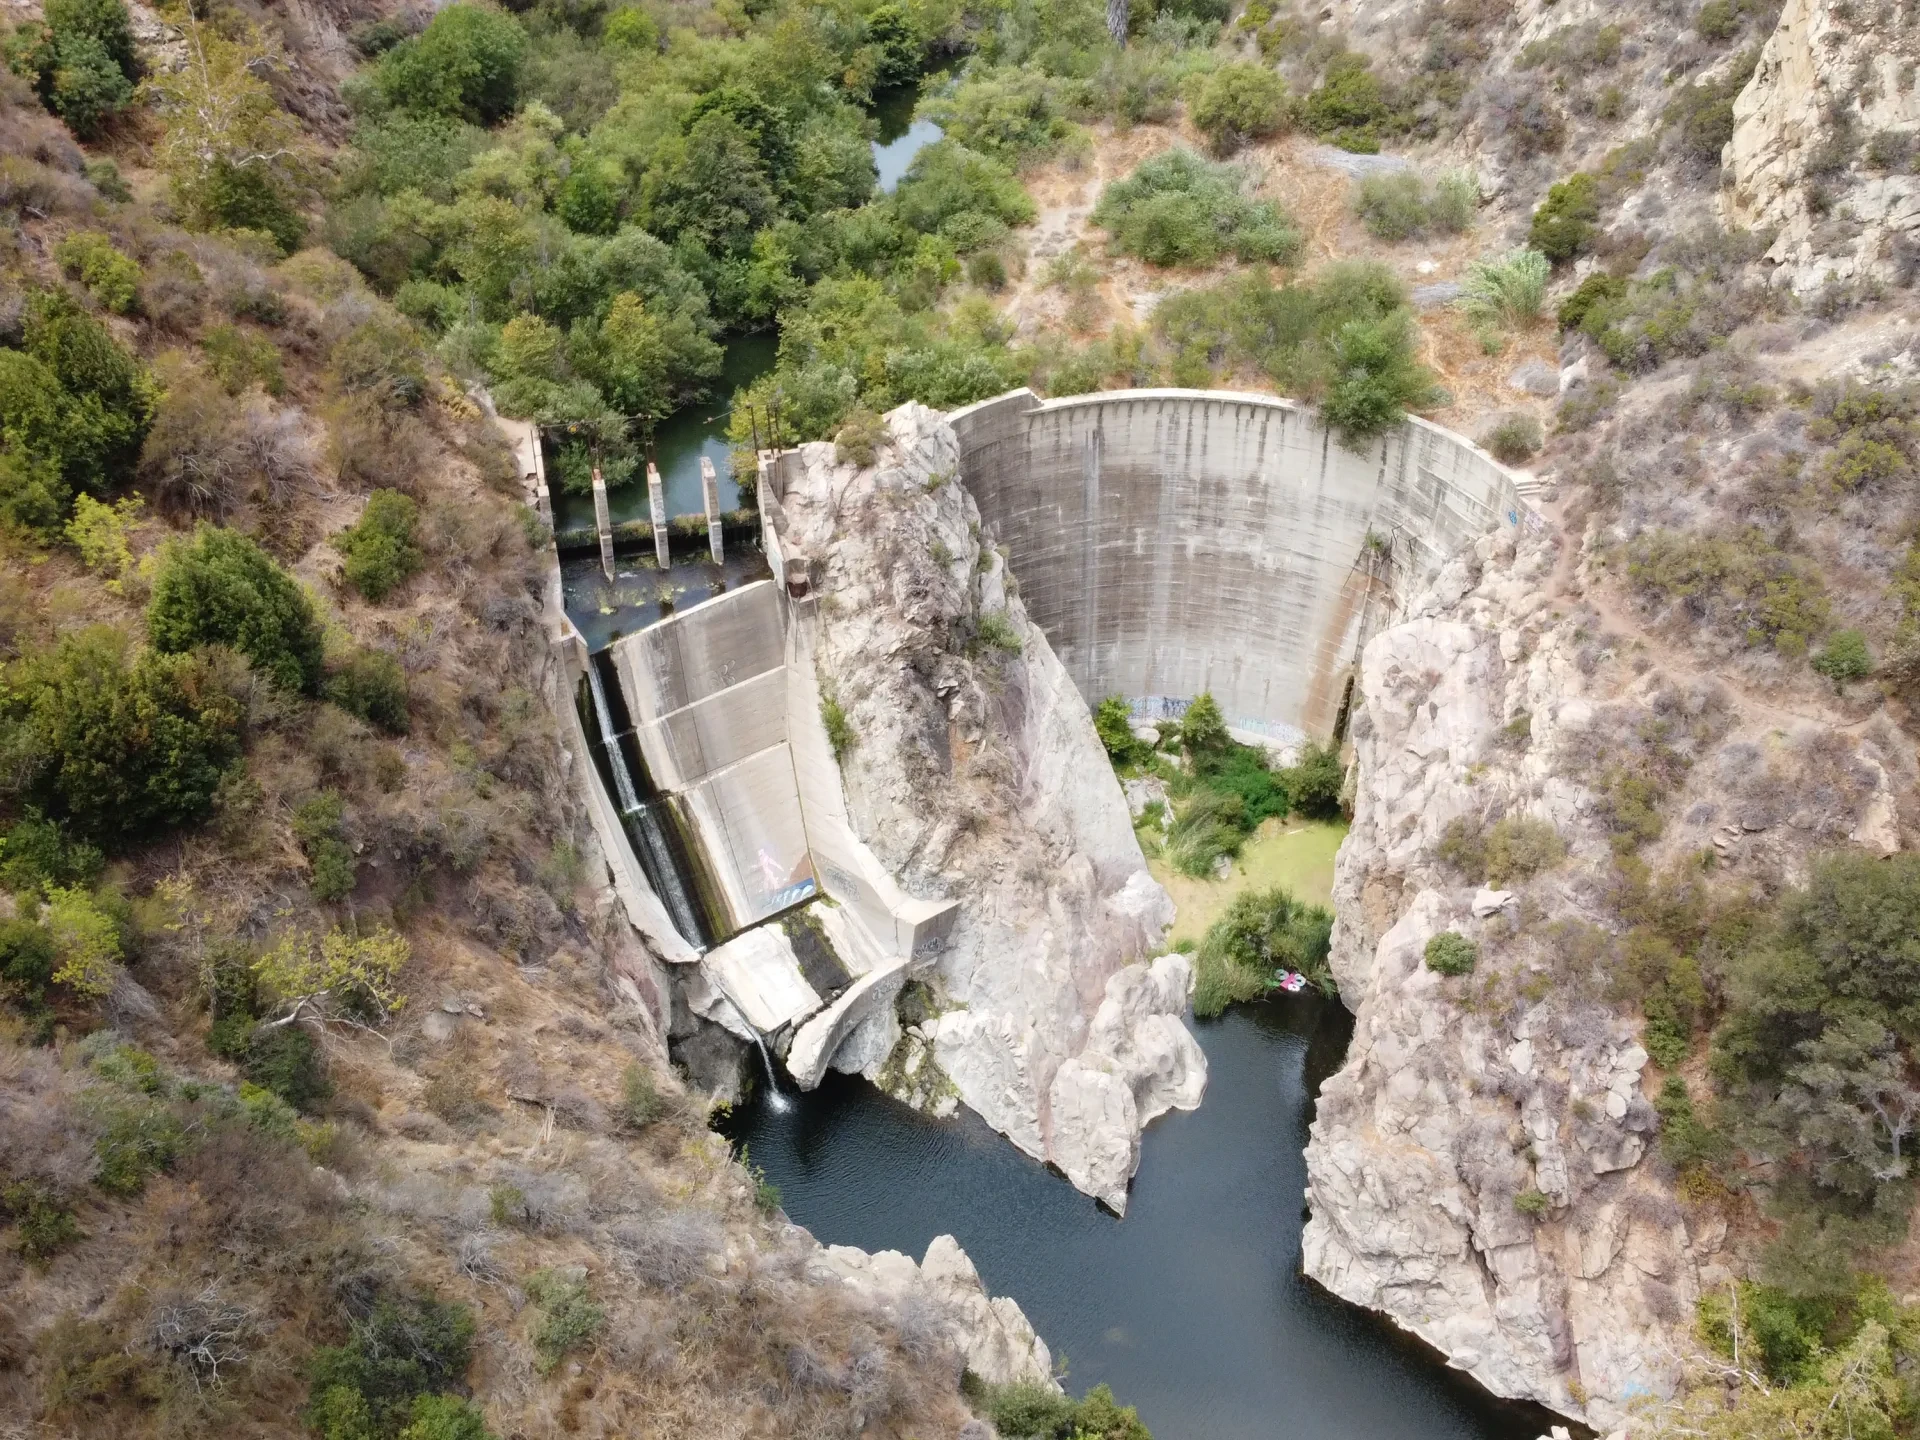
<point>1192,1307</point>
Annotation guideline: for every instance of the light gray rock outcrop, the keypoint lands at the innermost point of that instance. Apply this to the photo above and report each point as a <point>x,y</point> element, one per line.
<point>976,773</point>
<point>1827,76</point>
<point>1445,1112</point>
<point>992,1332</point>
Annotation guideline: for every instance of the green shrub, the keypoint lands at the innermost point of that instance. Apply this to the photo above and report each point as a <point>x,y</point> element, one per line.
<point>1513,439</point>
<point>36,852</point>
<point>1399,205</point>
<point>1180,209</point>
<point>115,747</point>
<point>1113,723</point>
<point>1207,826</point>
<point>111,278</point>
<point>1508,290</point>
<point>1565,223</point>
<point>641,1103</point>
<point>379,547</point>
<point>105,21</point>
<point>316,824</point>
<point>381,358</point>
<point>1392,206</point>
<point>1203,729</point>
<point>136,1137</point>
<point>1349,105</point>
<point>860,437</point>
<point>44,1224</point>
<point>1315,781</point>
<point>988,270</point>
<point>1262,933</point>
<point>1379,379</point>
<point>996,632</point>
<point>1451,953</point>
<point>1598,289</point>
<point>1237,103</point>
<point>287,1061</point>
<point>241,359</point>
<point>372,685</point>
<point>74,409</point>
<point>406,1347</point>
<point>568,1317</point>
<point>1718,20</point>
<point>81,61</point>
<point>1026,1410</point>
<point>1519,847</point>
<point>840,732</point>
<point>447,1417</point>
<point>1844,657</point>
<point>219,588</point>
<point>466,64</point>
<point>1743,581</point>
<point>1532,1203</point>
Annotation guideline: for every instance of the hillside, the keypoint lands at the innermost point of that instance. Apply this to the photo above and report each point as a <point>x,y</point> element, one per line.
<point>336,1092</point>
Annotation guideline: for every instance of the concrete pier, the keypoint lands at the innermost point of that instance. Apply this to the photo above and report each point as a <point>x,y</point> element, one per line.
<point>657,508</point>
<point>710,491</point>
<point>603,521</point>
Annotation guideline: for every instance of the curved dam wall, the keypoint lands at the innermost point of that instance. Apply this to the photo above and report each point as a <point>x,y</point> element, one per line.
<point>1171,542</point>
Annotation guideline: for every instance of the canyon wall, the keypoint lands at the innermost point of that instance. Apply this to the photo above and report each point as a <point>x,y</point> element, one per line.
<point>971,769</point>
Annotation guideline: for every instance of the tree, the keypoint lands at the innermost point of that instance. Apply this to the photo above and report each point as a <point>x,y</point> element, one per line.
<point>335,976</point>
<point>222,589</point>
<point>231,154</point>
<point>106,22</point>
<point>1203,730</point>
<point>86,941</point>
<point>467,63</point>
<point>74,409</point>
<point>1113,722</point>
<point>113,746</point>
<point>81,61</point>
<point>1376,378</point>
<point>1117,21</point>
<point>633,361</point>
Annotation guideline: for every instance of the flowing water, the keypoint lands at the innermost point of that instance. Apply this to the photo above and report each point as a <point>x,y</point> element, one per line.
<point>1193,1307</point>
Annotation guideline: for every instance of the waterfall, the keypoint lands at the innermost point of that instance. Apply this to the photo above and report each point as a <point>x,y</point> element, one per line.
<point>776,1102</point>
<point>644,823</point>
<point>616,761</point>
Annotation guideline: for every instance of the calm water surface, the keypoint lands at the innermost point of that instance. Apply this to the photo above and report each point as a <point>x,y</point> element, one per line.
<point>1192,1307</point>
<point>679,442</point>
<point>901,137</point>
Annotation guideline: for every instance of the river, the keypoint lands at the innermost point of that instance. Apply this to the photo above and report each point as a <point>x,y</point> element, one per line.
<point>1193,1307</point>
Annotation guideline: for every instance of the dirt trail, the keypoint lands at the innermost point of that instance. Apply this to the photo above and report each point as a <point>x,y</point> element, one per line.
<point>1617,619</point>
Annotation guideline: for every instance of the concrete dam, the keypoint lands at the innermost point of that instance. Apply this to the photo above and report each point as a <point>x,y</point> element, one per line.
<point>1174,542</point>
<point>1167,542</point>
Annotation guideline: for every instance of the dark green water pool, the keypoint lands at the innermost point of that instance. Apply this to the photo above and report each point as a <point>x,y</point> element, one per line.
<point>1193,1307</point>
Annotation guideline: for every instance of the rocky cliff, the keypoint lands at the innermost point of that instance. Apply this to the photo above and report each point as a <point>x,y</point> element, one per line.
<point>974,772</point>
<point>1460,1096</point>
<point>1821,140</point>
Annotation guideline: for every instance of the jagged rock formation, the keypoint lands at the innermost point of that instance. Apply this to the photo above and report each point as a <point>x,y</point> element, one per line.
<point>1830,78</point>
<point>1453,1103</point>
<point>944,1293</point>
<point>976,773</point>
